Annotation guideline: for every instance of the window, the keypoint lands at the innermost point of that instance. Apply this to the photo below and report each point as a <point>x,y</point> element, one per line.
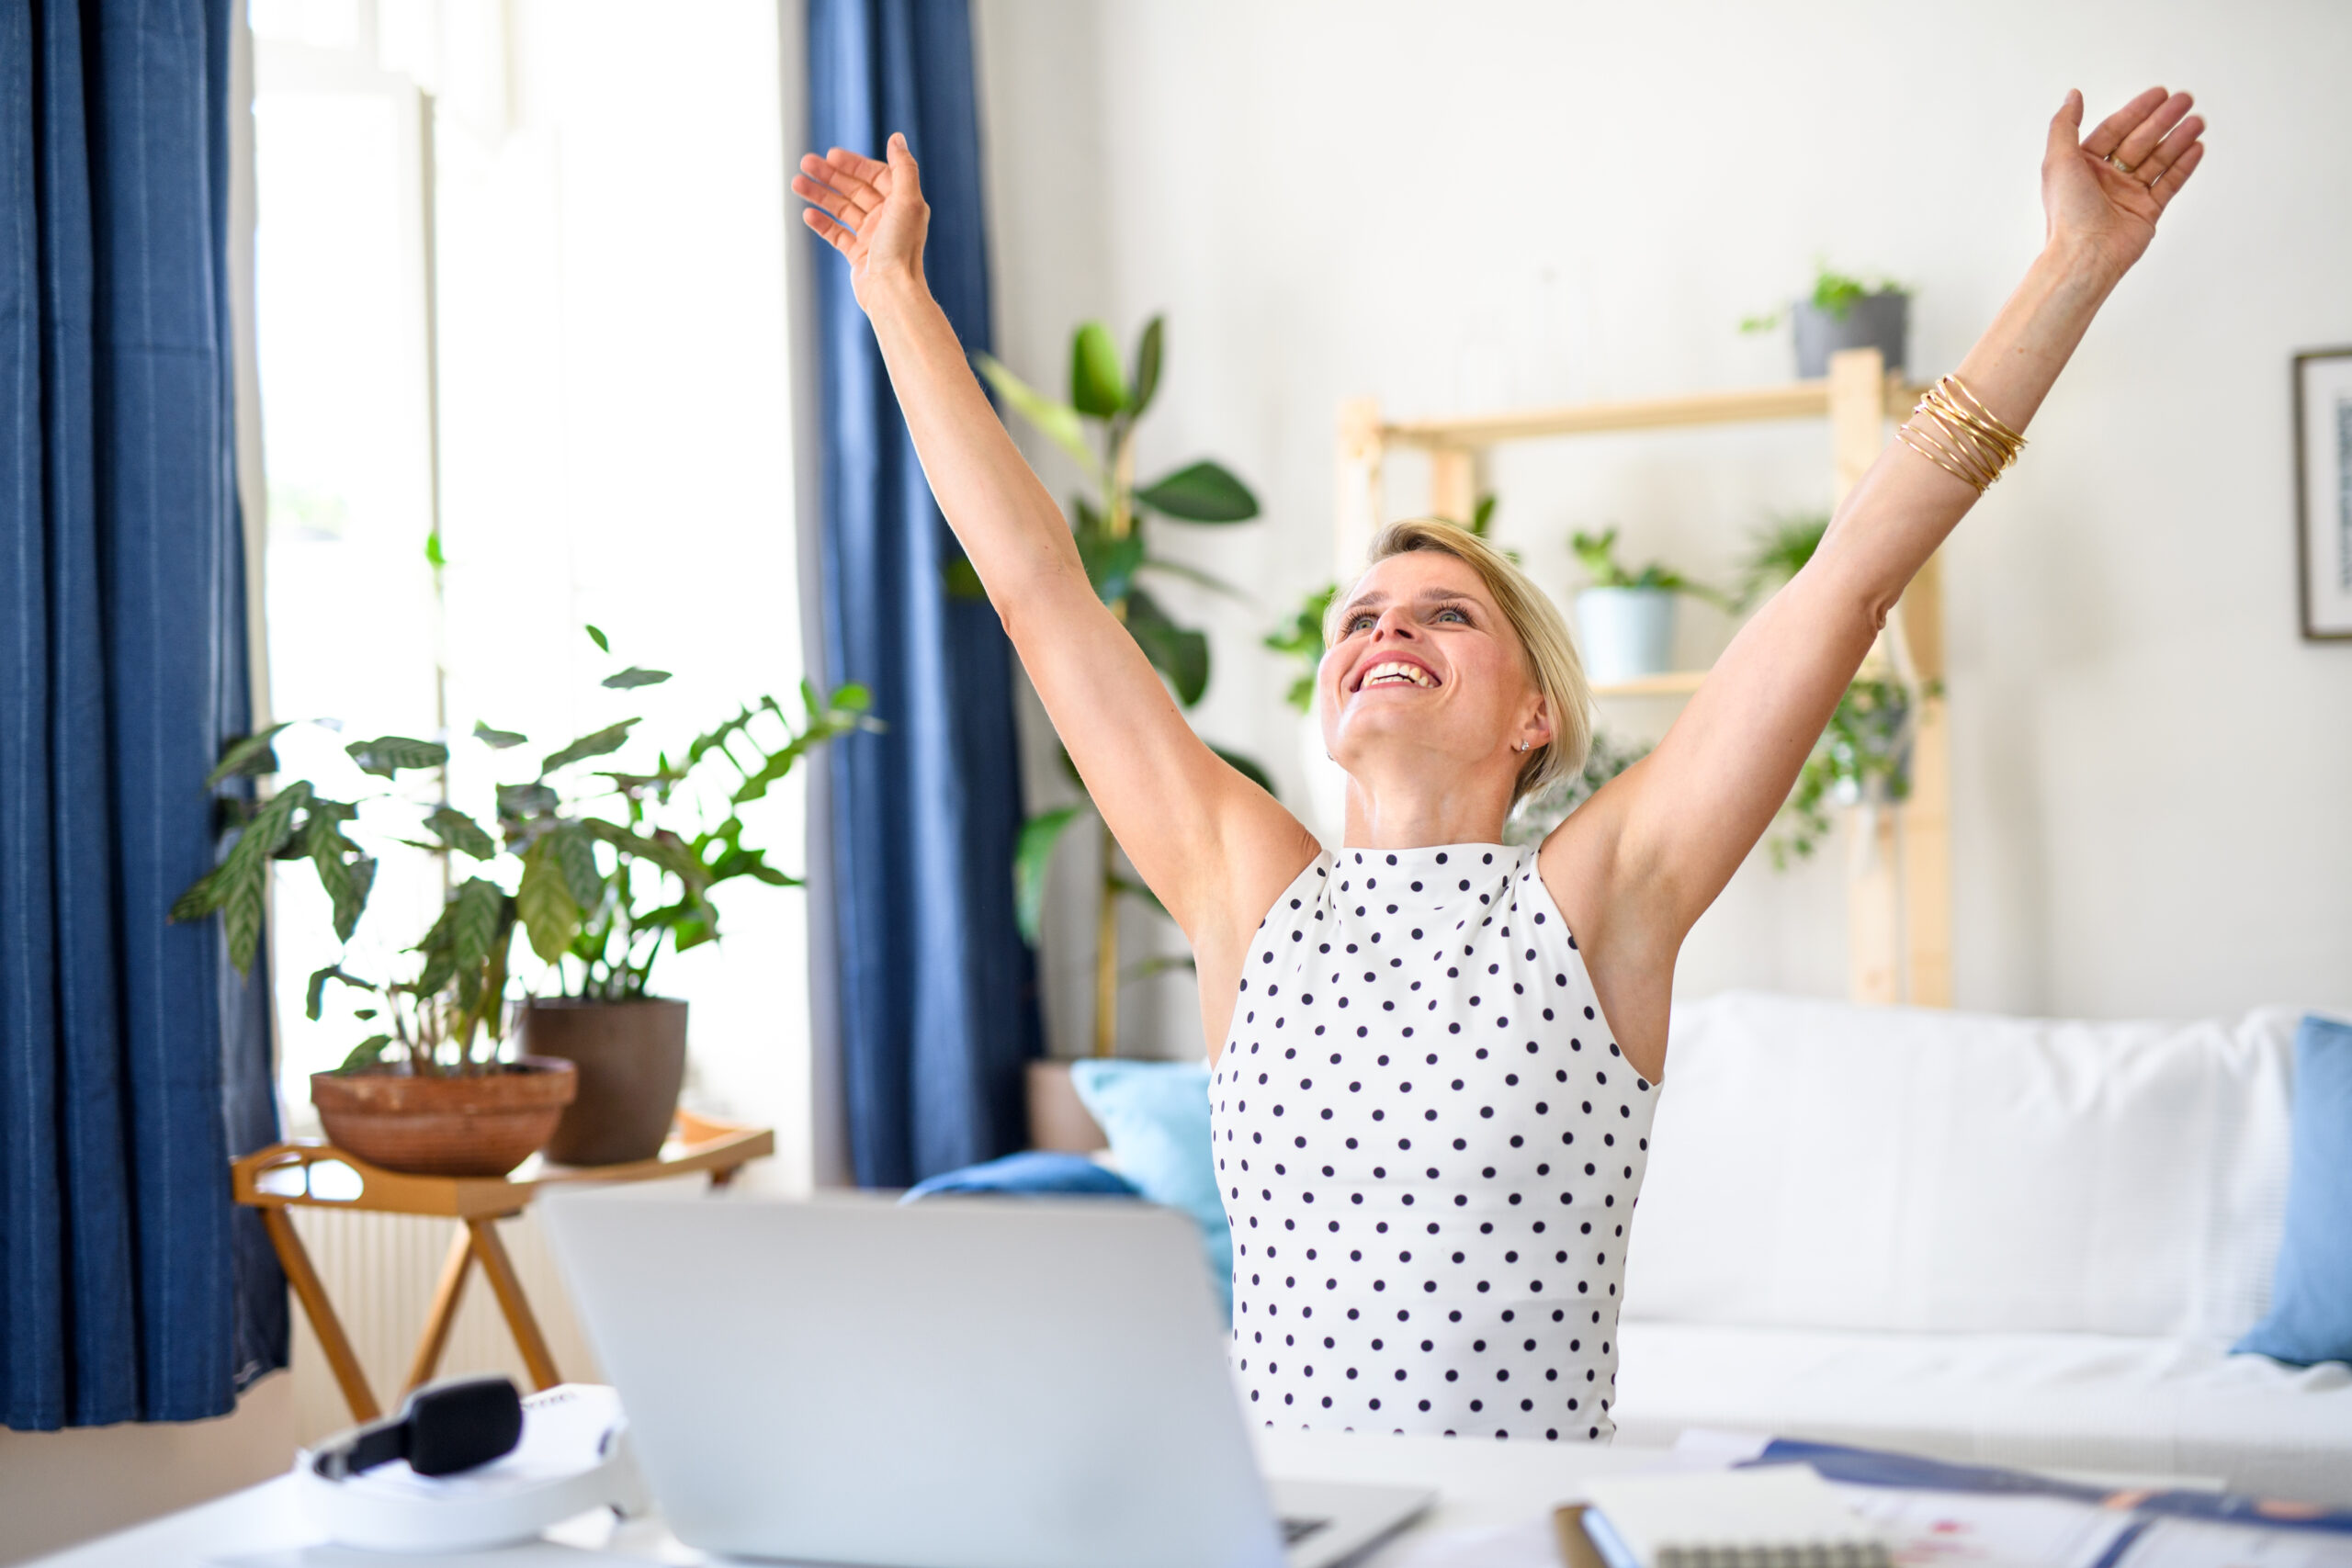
<point>543,249</point>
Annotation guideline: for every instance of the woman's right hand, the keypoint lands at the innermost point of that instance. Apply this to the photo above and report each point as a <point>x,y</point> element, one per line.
<point>872,212</point>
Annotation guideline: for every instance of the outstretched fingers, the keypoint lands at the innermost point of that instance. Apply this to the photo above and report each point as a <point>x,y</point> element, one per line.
<point>2169,186</point>
<point>2142,138</point>
<point>829,228</point>
<point>2169,152</point>
<point>2109,134</point>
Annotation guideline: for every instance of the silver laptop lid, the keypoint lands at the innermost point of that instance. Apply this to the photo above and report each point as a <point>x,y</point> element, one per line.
<point>964,1385</point>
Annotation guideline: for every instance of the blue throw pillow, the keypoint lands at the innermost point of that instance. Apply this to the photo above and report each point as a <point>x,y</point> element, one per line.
<point>2311,1294</point>
<point>1031,1173</point>
<point>1156,1116</point>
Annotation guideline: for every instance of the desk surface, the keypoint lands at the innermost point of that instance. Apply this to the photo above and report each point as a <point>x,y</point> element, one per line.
<point>1482,1486</point>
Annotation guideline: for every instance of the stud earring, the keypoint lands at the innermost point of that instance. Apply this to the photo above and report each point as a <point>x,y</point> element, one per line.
<point>1522,745</point>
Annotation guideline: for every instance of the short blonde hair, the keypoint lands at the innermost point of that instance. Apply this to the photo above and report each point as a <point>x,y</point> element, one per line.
<point>1544,637</point>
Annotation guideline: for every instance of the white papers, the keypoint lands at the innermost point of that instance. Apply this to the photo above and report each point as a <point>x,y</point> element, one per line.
<point>1781,1505</point>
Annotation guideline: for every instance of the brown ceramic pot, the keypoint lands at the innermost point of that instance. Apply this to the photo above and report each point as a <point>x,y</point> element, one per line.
<point>483,1124</point>
<point>632,1061</point>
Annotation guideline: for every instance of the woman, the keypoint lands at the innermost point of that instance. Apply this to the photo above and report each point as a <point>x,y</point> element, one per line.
<point>1431,1100</point>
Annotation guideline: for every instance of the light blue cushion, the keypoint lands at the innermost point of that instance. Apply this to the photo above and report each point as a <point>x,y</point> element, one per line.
<point>1031,1173</point>
<point>2311,1294</point>
<point>1156,1116</point>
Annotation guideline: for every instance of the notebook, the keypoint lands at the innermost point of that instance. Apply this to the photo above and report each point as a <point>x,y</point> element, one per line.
<point>1777,1516</point>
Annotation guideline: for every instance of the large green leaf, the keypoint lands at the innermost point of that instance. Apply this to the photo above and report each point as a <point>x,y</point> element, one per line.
<point>241,916</point>
<point>1177,652</point>
<point>474,922</point>
<point>1249,769</point>
<point>667,851</point>
<point>1097,385</point>
<point>367,1054</point>
<point>1056,422</point>
<point>1204,492</point>
<point>387,754</point>
<point>348,880</point>
<point>1031,856</point>
<point>460,831</point>
<point>526,799</point>
<point>1148,352</point>
<point>497,739</point>
<point>576,853</point>
<point>252,754</point>
<point>1110,563</point>
<point>544,903</point>
<point>633,677</point>
<point>315,997</point>
<point>603,743</point>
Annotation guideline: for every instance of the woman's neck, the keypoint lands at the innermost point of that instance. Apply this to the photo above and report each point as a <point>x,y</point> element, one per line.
<point>1400,816</point>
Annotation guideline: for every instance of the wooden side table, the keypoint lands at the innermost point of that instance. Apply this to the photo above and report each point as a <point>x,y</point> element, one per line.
<point>281,1177</point>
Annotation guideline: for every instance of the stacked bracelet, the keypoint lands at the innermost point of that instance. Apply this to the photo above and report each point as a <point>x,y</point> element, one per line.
<point>1960,435</point>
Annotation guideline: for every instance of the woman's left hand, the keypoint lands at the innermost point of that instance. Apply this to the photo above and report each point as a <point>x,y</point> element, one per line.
<point>2105,191</point>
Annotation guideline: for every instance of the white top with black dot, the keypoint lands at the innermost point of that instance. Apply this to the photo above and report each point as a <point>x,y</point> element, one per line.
<point>1430,1147</point>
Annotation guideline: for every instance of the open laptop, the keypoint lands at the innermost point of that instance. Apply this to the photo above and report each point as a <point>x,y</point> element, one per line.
<point>963,1384</point>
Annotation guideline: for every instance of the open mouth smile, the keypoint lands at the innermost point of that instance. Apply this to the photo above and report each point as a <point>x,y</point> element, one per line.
<point>1396,672</point>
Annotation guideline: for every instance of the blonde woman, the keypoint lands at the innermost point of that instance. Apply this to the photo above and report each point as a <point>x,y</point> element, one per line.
<point>1435,1057</point>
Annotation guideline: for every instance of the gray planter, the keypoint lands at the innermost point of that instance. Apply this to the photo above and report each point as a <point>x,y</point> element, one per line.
<point>632,1061</point>
<point>1875,320</point>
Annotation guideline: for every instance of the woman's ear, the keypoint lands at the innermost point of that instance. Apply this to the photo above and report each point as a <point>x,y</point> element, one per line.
<point>1537,729</point>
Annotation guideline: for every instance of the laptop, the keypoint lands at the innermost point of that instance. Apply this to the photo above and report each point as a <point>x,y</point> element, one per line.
<point>969,1384</point>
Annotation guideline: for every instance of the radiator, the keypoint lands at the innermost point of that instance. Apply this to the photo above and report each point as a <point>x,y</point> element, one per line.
<point>379,1271</point>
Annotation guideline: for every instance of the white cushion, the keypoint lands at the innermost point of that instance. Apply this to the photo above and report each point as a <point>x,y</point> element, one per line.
<point>2073,1402</point>
<point>1823,1165</point>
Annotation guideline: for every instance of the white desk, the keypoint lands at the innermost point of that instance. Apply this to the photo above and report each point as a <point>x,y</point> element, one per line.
<point>1482,1486</point>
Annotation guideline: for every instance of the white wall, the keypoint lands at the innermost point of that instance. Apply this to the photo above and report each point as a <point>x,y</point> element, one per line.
<point>1516,201</point>
<point>57,1488</point>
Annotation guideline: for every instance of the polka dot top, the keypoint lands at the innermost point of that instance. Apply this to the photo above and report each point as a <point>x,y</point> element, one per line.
<point>1428,1147</point>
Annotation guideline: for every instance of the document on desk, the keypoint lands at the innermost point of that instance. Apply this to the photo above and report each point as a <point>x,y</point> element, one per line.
<point>531,1554</point>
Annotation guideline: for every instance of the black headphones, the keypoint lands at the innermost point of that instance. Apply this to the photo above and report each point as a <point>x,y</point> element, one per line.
<point>441,1429</point>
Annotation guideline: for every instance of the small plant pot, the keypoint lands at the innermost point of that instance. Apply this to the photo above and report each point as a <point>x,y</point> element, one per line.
<point>480,1124</point>
<point>1881,321</point>
<point>632,1061</point>
<point>1624,633</point>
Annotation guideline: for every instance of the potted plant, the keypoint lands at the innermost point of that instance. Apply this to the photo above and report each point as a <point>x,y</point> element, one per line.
<point>616,868</point>
<point>1843,313</point>
<point>1625,619</point>
<point>1863,756</point>
<point>1097,427</point>
<point>428,1090</point>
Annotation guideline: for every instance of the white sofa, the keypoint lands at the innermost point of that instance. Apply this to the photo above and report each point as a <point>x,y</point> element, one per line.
<point>2002,1240</point>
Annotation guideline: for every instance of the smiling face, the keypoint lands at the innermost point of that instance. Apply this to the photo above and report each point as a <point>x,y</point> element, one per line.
<point>1426,684</point>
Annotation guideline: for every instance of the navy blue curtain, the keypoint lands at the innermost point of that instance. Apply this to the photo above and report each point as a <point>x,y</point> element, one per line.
<point>937,1006</point>
<point>132,1060</point>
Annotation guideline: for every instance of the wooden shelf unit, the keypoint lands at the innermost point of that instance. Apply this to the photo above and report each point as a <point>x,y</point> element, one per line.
<point>1899,884</point>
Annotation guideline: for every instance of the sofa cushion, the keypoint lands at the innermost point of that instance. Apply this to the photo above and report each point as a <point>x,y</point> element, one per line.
<point>2310,1299</point>
<point>1819,1165</point>
<point>2066,1401</point>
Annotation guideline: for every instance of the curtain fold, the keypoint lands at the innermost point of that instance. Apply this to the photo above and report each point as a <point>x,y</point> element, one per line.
<point>937,1004</point>
<point>132,1059</point>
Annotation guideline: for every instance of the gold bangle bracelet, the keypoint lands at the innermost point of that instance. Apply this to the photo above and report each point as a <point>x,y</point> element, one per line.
<point>1952,429</point>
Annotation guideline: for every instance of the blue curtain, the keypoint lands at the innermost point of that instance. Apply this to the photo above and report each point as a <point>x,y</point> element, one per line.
<point>936,1005</point>
<point>132,1060</point>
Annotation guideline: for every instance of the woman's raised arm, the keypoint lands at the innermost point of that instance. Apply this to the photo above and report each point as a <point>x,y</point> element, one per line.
<point>1656,845</point>
<point>1213,846</point>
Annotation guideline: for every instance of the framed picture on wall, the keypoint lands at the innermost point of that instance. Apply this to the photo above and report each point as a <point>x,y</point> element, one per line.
<point>2324,492</point>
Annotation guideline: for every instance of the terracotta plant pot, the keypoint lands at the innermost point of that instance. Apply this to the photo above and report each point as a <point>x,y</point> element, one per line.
<point>1058,1120</point>
<point>632,1061</point>
<point>481,1125</point>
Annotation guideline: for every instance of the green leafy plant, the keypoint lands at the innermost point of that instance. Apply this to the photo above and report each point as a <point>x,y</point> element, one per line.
<point>1533,820</point>
<point>1597,553</point>
<point>1834,294</point>
<point>601,870</point>
<point>1864,755</point>
<point>1776,553</point>
<point>1301,637</point>
<point>1097,428</point>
